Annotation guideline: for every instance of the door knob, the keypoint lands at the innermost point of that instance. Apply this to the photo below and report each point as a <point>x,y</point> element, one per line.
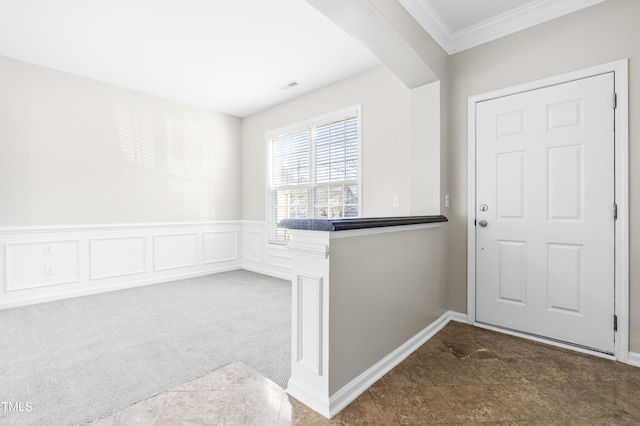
<point>482,223</point>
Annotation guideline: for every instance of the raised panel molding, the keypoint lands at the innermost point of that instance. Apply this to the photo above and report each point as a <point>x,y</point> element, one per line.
<point>81,260</point>
<point>89,259</point>
<point>260,256</point>
<point>253,243</point>
<point>511,124</point>
<point>219,246</point>
<point>36,264</point>
<point>565,277</point>
<point>174,251</point>
<point>565,182</point>
<point>117,256</point>
<point>280,259</point>
<point>511,169</point>
<point>309,323</point>
<point>565,114</point>
<point>309,249</point>
<point>512,272</point>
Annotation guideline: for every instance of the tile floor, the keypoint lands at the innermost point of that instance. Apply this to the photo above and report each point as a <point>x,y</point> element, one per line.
<point>463,376</point>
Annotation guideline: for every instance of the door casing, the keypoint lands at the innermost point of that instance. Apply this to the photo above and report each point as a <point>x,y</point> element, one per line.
<point>620,70</point>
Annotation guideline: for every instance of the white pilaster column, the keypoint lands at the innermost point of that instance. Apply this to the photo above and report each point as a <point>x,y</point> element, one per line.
<point>309,381</point>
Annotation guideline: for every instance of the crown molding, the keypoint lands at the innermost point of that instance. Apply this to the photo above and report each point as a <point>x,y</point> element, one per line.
<point>515,20</point>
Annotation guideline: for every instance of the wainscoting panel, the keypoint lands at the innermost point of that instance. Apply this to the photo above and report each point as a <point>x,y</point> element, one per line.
<point>117,256</point>
<point>42,263</point>
<point>309,327</point>
<point>174,251</point>
<point>253,244</point>
<point>280,259</point>
<point>260,256</point>
<point>221,246</point>
<point>45,263</point>
<point>57,262</point>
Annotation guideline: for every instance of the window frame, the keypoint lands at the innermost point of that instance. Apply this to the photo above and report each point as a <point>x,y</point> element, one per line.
<point>310,123</point>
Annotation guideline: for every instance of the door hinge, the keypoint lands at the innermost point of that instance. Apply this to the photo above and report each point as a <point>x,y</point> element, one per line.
<point>615,100</point>
<point>615,211</point>
<point>615,323</point>
<point>475,222</point>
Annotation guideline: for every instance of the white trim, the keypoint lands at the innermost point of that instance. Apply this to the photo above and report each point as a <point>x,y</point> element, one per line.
<point>515,20</point>
<point>634,359</point>
<point>471,210</point>
<point>112,226</point>
<point>76,274</point>
<point>108,288</point>
<point>314,121</point>
<point>267,271</point>
<point>226,259</point>
<point>252,254</point>
<point>430,20</point>
<point>309,243</point>
<point>341,113</point>
<point>155,243</point>
<point>309,397</point>
<point>364,381</point>
<point>308,249</point>
<point>92,256</point>
<point>260,256</point>
<point>348,393</point>
<point>312,362</point>
<point>620,70</point>
<point>11,287</point>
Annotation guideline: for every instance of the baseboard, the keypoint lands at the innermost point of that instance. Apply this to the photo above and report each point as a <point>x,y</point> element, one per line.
<point>267,271</point>
<point>108,288</point>
<point>458,317</point>
<point>48,263</point>
<point>338,401</point>
<point>634,359</point>
<point>311,399</point>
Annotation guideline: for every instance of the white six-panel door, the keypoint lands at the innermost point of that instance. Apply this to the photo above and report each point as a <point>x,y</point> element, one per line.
<point>545,195</point>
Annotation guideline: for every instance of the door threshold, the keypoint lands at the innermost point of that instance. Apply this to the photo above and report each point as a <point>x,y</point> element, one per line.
<point>547,340</point>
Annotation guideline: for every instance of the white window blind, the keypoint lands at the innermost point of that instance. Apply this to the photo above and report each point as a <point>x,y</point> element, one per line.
<point>315,171</point>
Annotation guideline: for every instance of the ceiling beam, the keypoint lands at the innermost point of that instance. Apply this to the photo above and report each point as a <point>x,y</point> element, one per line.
<point>378,28</point>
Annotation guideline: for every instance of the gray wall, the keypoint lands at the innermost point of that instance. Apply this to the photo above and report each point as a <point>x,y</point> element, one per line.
<point>603,33</point>
<point>387,144</point>
<point>385,289</point>
<point>76,151</point>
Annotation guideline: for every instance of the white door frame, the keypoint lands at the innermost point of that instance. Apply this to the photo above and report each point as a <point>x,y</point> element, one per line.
<point>620,69</point>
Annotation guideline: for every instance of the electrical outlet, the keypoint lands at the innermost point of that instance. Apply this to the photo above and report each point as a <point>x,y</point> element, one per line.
<point>396,202</point>
<point>48,250</point>
<point>49,269</point>
<point>446,201</point>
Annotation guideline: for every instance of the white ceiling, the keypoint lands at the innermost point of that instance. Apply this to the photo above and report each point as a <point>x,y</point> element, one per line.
<point>233,56</point>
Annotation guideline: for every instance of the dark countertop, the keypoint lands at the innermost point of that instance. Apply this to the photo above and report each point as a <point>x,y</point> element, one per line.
<point>357,223</point>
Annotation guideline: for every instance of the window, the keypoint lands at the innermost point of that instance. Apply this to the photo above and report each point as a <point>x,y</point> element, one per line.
<point>314,170</point>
